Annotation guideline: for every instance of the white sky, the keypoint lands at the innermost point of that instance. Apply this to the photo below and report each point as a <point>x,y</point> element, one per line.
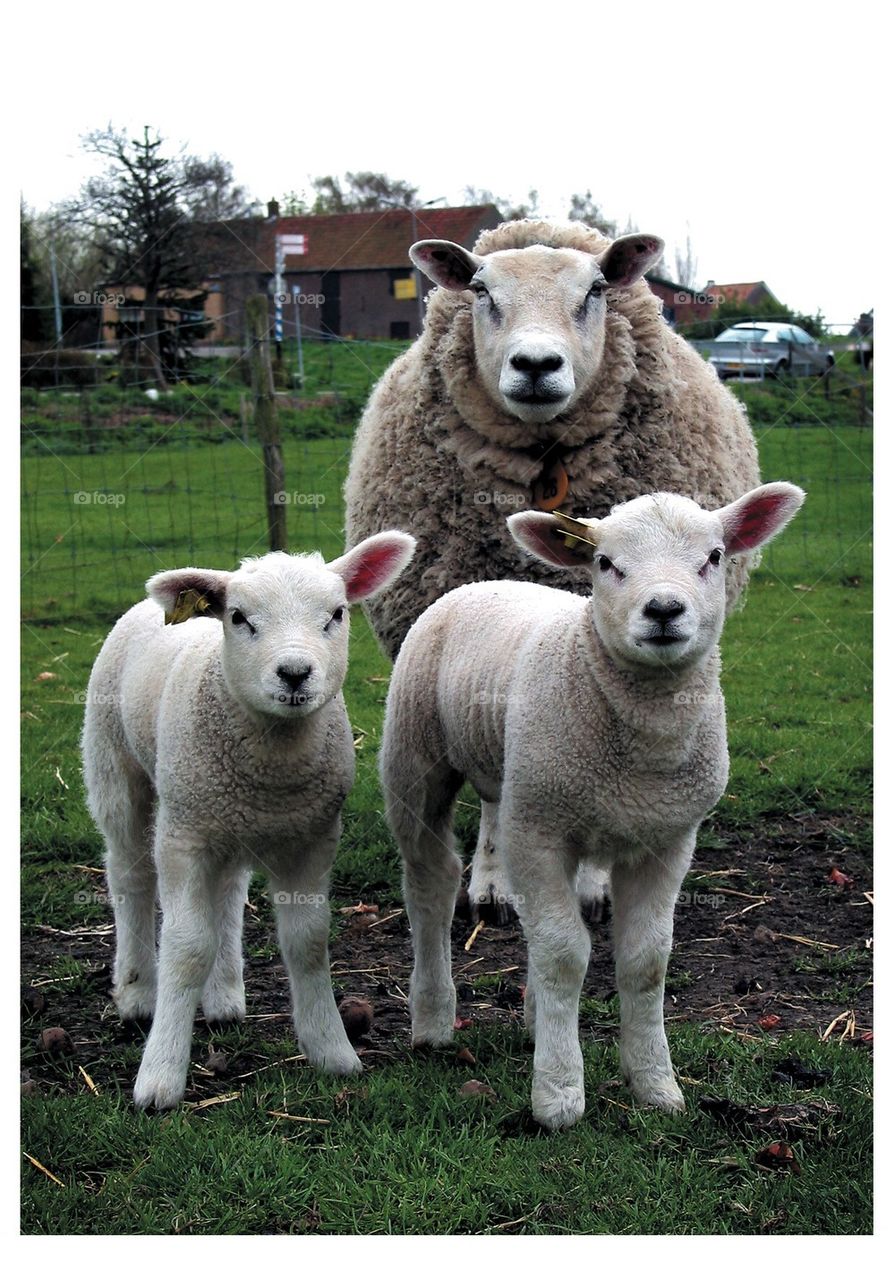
<point>749,124</point>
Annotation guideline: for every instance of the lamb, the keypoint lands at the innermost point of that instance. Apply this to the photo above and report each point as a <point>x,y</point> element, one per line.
<point>214,748</point>
<point>545,377</point>
<point>596,727</point>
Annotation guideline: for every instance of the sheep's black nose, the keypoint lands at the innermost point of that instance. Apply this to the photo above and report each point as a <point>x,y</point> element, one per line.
<point>663,610</point>
<point>293,677</point>
<point>536,365</point>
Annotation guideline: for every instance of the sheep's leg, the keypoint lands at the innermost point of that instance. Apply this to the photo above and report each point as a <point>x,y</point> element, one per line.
<point>125,821</point>
<point>490,896</point>
<point>224,996</point>
<point>301,899</point>
<point>643,897</point>
<point>189,942</point>
<point>543,879</point>
<point>419,811</point>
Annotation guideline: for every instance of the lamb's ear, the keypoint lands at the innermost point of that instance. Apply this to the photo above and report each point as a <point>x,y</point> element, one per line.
<point>373,563</point>
<point>189,593</point>
<point>445,263</point>
<point>759,515</point>
<point>628,257</point>
<point>554,538</point>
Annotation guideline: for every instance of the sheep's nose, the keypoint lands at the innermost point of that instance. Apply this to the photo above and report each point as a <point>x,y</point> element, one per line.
<point>536,365</point>
<point>663,610</point>
<point>293,677</point>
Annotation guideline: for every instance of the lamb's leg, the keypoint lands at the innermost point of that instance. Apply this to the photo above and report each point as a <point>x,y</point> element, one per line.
<point>189,941</point>
<point>419,806</point>
<point>643,898</point>
<point>301,899</point>
<point>543,879</point>
<point>490,895</point>
<point>125,818</point>
<point>224,997</point>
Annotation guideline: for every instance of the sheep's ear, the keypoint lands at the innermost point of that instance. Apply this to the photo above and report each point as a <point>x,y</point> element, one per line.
<point>555,538</point>
<point>373,563</point>
<point>445,263</point>
<point>189,593</point>
<point>628,257</point>
<point>758,516</point>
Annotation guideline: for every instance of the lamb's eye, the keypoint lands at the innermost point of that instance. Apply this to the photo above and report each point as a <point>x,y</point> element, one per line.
<point>238,618</point>
<point>338,615</point>
<point>715,557</point>
<point>605,565</point>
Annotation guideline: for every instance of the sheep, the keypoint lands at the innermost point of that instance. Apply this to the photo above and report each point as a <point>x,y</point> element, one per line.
<point>212,749</point>
<point>545,377</point>
<point>596,727</point>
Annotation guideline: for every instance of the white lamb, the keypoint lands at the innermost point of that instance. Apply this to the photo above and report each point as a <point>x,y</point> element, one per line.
<point>218,747</point>
<point>597,729</point>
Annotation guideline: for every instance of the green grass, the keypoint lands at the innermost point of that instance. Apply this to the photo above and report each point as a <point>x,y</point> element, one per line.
<point>404,1153</point>
<point>407,1154</point>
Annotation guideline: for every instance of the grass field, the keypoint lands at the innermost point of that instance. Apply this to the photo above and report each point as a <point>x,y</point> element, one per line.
<point>797,683</point>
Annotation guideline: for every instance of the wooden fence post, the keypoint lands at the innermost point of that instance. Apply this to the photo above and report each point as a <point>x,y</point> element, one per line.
<point>266,423</point>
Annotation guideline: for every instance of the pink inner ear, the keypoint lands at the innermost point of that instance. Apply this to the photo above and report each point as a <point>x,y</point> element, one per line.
<point>756,522</point>
<point>370,571</point>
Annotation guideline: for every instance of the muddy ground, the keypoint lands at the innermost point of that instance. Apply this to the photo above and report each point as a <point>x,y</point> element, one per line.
<point>772,926</point>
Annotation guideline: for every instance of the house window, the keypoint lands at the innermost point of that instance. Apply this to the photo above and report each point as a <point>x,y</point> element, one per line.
<point>399,329</point>
<point>402,284</point>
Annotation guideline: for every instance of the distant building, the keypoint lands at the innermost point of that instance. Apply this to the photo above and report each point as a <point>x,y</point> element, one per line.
<point>352,276</point>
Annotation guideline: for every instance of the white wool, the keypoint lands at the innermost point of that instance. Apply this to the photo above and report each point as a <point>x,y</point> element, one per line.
<point>595,728</point>
<point>214,747</point>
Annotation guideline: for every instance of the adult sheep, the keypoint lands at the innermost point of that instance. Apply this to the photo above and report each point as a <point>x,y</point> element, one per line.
<point>545,377</point>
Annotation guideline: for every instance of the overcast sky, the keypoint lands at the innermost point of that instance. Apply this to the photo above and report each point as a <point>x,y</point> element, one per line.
<point>749,125</point>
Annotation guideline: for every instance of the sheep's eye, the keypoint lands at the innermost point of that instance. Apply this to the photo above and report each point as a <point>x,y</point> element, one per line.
<point>595,291</point>
<point>338,615</point>
<point>239,619</point>
<point>715,557</point>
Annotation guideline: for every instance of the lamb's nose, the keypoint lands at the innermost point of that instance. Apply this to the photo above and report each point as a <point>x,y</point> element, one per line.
<point>293,677</point>
<point>663,610</point>
<point>536,365</point>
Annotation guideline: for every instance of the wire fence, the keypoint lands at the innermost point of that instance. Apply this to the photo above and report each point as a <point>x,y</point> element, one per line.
<point>120,481</point>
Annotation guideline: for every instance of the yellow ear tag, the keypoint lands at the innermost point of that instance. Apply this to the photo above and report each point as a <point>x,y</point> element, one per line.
<point>187,605</point>
<point>577,535</point>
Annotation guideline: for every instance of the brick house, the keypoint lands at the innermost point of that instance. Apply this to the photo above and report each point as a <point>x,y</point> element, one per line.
<point>354,278</point>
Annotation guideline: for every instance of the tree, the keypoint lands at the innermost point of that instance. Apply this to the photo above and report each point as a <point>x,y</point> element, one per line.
<point>155,219</point>
<point>582,208</point>
<point>686,264</point>
<point>363,192</point>
<point>509,211</point>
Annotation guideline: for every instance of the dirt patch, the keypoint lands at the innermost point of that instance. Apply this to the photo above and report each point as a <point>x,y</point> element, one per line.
<point>771,936</point>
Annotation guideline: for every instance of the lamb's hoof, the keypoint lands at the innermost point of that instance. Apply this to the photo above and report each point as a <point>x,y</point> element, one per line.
<point>593,894</point>
<point>556,1106</point>
<point>159,1089</point>
<point>595,910</point>
<point>335,1060</point>
<point>220,1008</point>
<point>135,1003</point>
<point>661,1092</point>
<point>492,906</point>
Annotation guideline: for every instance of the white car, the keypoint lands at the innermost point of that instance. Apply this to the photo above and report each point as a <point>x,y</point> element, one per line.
<point>767,349</point>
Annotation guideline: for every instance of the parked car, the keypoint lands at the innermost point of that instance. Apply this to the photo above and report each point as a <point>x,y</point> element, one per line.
<point>766,349</point>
